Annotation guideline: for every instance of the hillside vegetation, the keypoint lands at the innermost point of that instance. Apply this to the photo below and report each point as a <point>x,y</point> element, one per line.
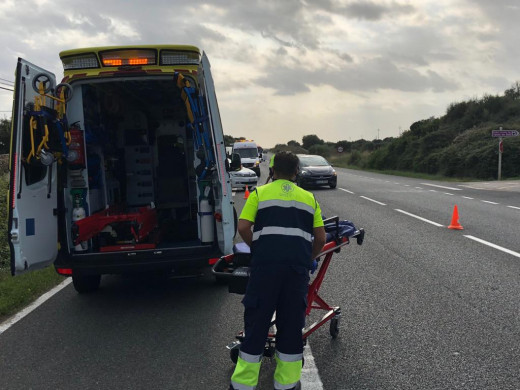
<point>458,144</point>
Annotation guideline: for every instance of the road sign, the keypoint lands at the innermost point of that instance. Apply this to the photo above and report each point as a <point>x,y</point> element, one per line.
<point>340,149</point>
<point>504,133</point>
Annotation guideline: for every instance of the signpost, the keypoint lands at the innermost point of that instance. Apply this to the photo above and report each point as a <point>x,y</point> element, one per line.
<point>500,133</point>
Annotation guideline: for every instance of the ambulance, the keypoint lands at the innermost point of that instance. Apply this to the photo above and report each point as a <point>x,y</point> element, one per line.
<point>249,155</point>
<point>119,168</point>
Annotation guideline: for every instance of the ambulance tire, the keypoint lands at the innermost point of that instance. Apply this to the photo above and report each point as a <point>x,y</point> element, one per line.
<point>43,78</point>
<point>85,284</point>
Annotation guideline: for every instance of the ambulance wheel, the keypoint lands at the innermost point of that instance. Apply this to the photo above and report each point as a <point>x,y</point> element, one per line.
<point>86,283</point>
<point>233,354</point>
<point>68,91</point>
<point>42,78</point>
<point>334,327</point>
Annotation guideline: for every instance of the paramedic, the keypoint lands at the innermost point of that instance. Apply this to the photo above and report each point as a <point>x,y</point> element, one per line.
<point>284,217</point>
<point>271,162</point>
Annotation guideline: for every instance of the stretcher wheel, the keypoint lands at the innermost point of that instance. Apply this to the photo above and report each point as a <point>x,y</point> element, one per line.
<point>42,78</point>
<point>233,354</point>
<point>68,92</point>
<point>334,327</point>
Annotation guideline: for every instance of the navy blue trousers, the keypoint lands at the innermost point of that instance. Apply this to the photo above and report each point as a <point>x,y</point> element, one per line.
<point>279,288</point>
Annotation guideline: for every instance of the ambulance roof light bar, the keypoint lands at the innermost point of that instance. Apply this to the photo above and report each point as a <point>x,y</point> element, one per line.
<point>177,57</point>
<point>125,57</point>
<point>83,61</point>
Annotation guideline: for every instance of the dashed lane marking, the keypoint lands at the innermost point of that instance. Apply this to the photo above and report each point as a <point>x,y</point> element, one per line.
<point>445,187</point>
<point>420,218</point>
<point>342,189</point>
<point>372,200</point>
<point>500,248</point>
<point>488,201</point>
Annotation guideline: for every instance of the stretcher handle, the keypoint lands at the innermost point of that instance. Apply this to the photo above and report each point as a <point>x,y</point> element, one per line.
<point>337,238</point>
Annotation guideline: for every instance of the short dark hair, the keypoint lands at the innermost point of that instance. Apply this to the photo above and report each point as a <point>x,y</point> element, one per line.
<point>285,163</point>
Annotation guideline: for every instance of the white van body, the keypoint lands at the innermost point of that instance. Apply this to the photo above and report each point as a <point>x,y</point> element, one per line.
<point>249,156</point>
<point>150,196</point>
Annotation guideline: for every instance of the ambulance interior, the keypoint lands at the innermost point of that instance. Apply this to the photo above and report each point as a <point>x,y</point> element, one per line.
<point>138,172</point>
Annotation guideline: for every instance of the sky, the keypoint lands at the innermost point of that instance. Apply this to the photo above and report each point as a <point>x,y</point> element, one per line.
<point>283,69</point>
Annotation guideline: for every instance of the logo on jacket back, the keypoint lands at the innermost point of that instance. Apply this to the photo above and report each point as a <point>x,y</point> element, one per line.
<point>287,187</point>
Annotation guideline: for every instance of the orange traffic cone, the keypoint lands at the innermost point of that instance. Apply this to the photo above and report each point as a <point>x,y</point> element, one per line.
<point>246,193</point>
<point>455,220</point>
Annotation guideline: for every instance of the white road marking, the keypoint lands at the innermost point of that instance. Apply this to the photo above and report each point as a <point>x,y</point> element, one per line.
<point>514,207</point>
<point>494,246</point>
<point>433,190</point>
<point>407,185</point>
<point>22,313</point>
<point>342,189</point>
<point>372,200</point>
<point>436,185</point>
<point>467,197</point>
<point>310,376</point>
<point>447,193</point>
<point>487,201</point>
<point>421,218</point>
<point>419,188</point>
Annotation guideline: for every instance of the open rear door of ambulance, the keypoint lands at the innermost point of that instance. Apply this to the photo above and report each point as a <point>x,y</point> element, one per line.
<point>32,223</point>
<point>224,198</point>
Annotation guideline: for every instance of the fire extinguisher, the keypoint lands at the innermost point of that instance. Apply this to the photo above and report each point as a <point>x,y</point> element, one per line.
<point>76,156</point>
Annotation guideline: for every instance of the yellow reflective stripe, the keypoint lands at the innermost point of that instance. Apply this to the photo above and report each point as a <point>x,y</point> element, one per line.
<point>287,373</point>
<point>282,231</point>
<point>245,376</point>
<point>286,204</point>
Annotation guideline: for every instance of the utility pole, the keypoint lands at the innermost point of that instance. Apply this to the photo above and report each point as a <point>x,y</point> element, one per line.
<point>378,133</point>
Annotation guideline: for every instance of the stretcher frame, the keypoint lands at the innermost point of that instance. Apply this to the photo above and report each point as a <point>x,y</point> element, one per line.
<point>314,301</point>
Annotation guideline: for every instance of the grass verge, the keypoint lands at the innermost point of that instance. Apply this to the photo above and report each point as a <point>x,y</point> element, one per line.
<point>18,292</point>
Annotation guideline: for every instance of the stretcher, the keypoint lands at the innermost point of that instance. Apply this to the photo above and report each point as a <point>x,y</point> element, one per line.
<point>234,269</point>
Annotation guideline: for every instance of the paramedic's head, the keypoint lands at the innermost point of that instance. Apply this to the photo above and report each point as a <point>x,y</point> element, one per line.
<point>285,165</point>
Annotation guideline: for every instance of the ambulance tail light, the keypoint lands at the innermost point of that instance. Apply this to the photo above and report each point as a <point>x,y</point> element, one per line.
<point>64,271</point>
<point>128,57</point>
<point>84,61</point>
<point>171,57</point>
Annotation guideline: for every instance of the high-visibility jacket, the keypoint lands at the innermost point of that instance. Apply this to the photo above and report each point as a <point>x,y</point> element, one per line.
<point>271,161</point>
<point>284,216</point>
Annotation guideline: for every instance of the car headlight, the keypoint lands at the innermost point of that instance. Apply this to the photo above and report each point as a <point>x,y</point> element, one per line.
<point>304,173</point>
<point>334,172</point>
<point>257,163</point>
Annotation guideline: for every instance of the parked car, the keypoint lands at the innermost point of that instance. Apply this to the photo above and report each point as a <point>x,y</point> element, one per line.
<point>243,177</point>
<point>315,171</point>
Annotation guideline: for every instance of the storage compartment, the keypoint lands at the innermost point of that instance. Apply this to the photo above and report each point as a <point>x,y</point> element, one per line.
<point>134,184</point>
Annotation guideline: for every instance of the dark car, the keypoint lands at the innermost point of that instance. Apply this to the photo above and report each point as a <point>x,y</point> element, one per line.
<point>315,171</point>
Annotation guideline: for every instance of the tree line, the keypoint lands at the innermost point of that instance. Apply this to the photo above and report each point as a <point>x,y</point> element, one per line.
<point>457,144</point>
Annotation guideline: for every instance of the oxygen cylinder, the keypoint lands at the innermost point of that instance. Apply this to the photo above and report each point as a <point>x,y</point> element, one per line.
<point>76,156</point>
<point>78,212</point>
<point>207,233</point>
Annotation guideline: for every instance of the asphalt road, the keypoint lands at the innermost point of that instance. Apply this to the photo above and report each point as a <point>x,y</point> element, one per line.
<point>424,306</point>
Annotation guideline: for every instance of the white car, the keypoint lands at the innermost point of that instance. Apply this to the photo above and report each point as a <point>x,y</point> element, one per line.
<point>246,176</point>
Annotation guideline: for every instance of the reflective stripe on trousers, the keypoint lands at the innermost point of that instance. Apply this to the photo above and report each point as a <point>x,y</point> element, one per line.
<point>288,370</point>
<point>245,376</point>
